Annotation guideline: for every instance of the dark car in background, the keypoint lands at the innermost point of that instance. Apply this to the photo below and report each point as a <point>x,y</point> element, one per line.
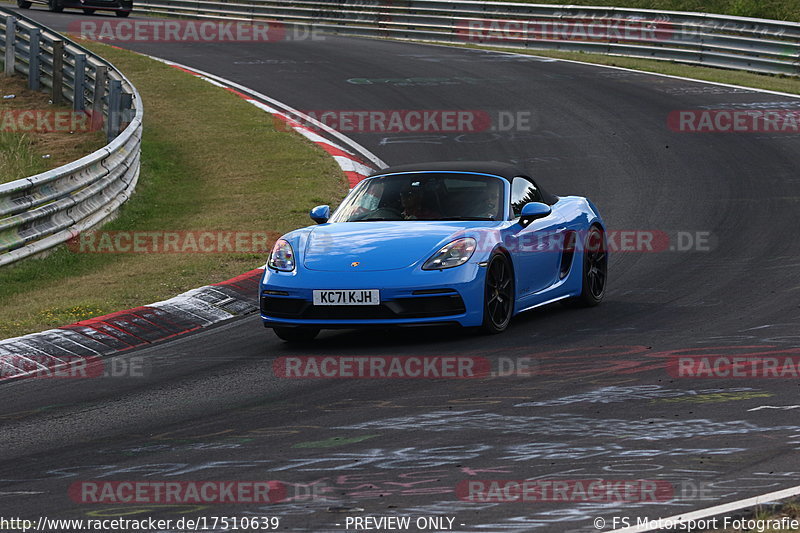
<point>121,8</point>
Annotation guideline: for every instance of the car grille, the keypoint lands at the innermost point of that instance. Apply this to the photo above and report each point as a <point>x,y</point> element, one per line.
<point>422,307</point>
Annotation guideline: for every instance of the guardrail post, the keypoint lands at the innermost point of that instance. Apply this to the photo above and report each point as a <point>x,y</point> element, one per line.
<point>34,72</point>
<point>100,75</point>
<point>11,44</point>
<point>125,106</point>
<point>58,73</point>
<point>78,98</point>
<point>114,97</point>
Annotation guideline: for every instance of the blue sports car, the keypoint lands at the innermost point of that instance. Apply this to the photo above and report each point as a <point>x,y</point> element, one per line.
<point>469,243</point>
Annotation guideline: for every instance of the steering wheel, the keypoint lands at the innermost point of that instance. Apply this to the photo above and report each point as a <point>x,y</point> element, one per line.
<point>387,212</point>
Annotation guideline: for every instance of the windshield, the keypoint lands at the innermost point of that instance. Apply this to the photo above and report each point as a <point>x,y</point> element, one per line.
<point>423,196</point>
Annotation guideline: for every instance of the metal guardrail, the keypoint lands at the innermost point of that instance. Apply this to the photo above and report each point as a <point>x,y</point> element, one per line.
<point>48,209</point>
<point>756,45</point>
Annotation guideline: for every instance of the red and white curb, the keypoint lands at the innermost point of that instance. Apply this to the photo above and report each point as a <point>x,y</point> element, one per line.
<point>43,353</point>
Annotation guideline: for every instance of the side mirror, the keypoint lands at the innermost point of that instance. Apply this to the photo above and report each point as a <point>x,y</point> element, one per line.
<point>320,214</point>
<point>533,211</point>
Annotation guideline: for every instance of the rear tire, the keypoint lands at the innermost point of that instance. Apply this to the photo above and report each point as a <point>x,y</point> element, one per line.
<point>122,14</point>
<point>498,296</point>
<point>296,334</point>
<point>88,11</point>
<point>595,268</point>
<point>55,6</point>
<point>22,4</point>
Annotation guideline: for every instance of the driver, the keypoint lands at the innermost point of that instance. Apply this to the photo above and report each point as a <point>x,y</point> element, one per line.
<point>487,203</point>
<point>414,207</point>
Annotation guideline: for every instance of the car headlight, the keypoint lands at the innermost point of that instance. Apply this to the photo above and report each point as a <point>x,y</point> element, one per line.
<point>282,256</point>
<point>451,255</point>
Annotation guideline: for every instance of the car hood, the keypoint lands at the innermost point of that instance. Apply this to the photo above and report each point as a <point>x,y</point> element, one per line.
<point>378,245</point>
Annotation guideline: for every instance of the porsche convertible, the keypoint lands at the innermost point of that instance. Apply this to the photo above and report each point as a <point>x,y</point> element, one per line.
<point>469,243</point>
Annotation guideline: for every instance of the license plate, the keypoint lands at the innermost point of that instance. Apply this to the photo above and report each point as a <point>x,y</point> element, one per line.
<point>348,297</point>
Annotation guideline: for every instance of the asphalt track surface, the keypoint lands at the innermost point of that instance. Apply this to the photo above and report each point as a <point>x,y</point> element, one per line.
<point>601,403</point>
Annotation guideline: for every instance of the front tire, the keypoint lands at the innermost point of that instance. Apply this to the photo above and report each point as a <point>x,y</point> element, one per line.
<point>498,299</point>
<point>296,334</point>
<point>88,11</point>
<point>122,14</point>
<point>22,4</point>
<point>595,268</point>
<point>55,6</point>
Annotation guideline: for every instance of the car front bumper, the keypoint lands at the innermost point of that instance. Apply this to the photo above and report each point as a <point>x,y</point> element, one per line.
<point>408,297</point>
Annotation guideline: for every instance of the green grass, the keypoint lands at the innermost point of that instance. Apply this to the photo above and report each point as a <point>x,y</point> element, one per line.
<point>210,161</point>
<point>17,157</point>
